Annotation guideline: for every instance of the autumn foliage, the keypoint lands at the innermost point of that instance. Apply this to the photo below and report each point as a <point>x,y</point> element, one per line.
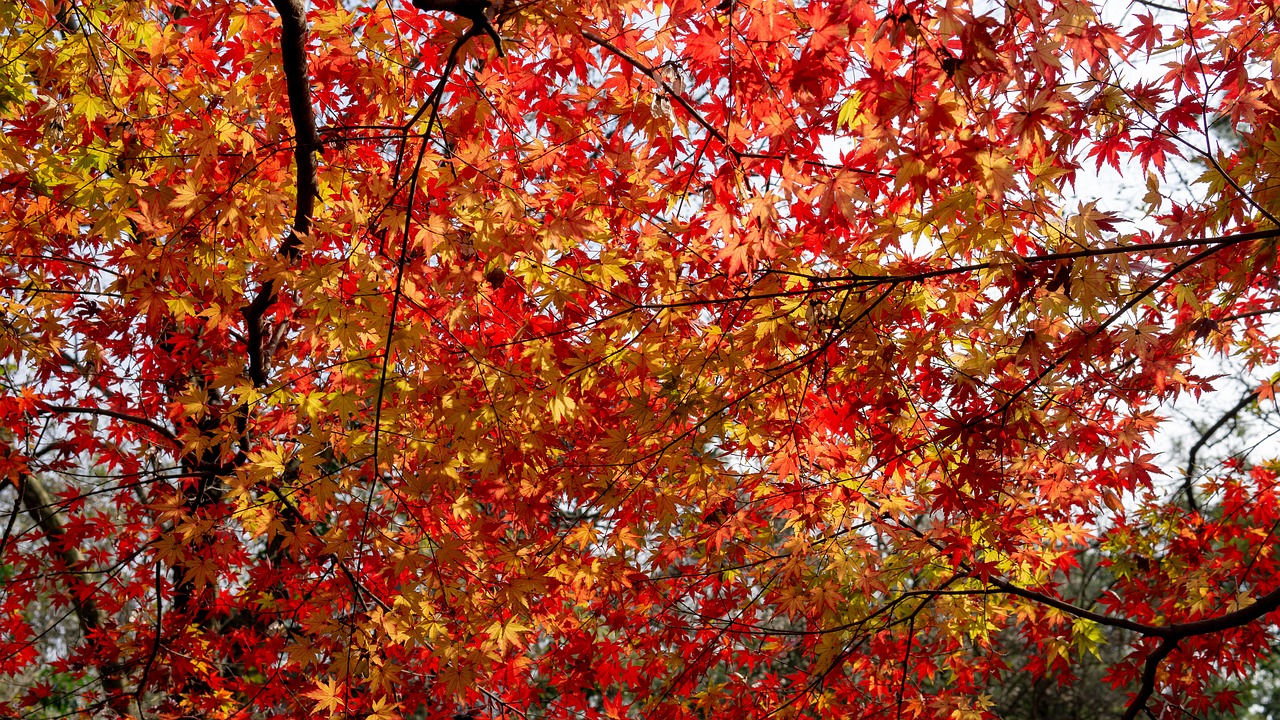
<point>556,359</point>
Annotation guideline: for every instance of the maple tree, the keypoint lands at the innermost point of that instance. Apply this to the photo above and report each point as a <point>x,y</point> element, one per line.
<point>602,359</point>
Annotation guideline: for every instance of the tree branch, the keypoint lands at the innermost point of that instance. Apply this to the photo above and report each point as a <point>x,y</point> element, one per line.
<point>1148,684</point>
<point>41,506</point>
<point>1188,482</point>
<point>1158,6</point>
<point>159,429</point>
<point>293,48</point>
<point>1170,635</point>
<point>481,13</point>
<point>653,75</point>
<point>656,78</point>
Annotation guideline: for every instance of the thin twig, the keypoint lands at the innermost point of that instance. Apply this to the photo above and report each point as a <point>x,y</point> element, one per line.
<point>159,429</point>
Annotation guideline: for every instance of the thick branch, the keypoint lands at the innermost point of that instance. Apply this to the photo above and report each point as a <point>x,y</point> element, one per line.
<point>43,509</point>
<point>1265,605</point>
<point>1076,611</point>
<point>1148,684</point>
<point>1170,635</point>
<point>1237,618</point>
<point>293,48</point>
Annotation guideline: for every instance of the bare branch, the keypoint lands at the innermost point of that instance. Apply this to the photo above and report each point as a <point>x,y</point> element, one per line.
<point>1188,482</point>
<point>1158,6</point>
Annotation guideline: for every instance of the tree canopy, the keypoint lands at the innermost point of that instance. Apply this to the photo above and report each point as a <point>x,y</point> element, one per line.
<point>547,359</point>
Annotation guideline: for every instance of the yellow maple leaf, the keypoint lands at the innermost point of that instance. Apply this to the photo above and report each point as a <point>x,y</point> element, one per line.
<point>382,709</point>
<point>327,696</point>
